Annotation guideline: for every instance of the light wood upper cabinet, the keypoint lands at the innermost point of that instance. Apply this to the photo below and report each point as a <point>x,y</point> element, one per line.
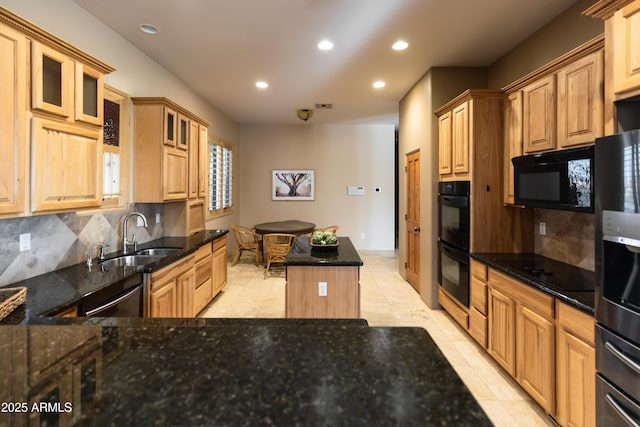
<point>66,166</point>
<point>52,80</point>
<point>460,138</point>
<point>166,150</point>
<point>581,100</point>
<point>194,160</point>
<point>513,141</point>
<point>626,50</point>
<point>539,115</point>
<point>203,172</point>
<point>89,91</point>
<point>13,125</point>
<point>444,144</point>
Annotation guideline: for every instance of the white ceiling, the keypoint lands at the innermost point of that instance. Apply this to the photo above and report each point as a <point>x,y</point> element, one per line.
<point>220,48</point>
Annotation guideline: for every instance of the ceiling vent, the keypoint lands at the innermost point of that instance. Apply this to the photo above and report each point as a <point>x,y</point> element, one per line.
<point>324,106</point>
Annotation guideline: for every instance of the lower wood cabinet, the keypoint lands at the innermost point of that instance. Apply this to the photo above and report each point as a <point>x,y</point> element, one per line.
<point>185,287</point>
<point>575,367</point>
<point>219,264</point>
<point>521,336</point>
<point>166,293</point>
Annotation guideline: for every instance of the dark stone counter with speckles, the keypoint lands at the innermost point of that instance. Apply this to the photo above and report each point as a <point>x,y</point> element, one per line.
<point>303,253</point>
<point>568,283</point>
<point>245,372</point>
<point>50,293</point>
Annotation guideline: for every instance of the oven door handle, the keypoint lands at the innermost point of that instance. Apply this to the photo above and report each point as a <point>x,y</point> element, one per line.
<point>622,357</point>
<point>620,411</point>
<point>112,303</point>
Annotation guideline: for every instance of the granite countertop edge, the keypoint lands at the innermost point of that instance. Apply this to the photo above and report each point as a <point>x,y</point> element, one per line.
<point>303,254</point>
<point>71,285</point>
<point>583,301</point>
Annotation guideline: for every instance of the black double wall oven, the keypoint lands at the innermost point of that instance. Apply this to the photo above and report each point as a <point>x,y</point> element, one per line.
<point>453,239</point>
<point>618,279</point>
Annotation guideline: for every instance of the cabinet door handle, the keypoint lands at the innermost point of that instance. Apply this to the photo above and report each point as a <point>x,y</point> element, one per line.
<point>620,411</point>
<point>622,357</point>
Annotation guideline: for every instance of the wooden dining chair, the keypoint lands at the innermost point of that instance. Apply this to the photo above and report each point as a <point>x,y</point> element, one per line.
<point>277,246</point>
<point>247,240</point>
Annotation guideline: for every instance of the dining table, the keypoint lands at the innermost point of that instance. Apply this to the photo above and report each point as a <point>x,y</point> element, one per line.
<point>290,226</point>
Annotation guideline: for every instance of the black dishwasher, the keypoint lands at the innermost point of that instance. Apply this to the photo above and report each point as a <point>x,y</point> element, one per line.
<point>124,299</point>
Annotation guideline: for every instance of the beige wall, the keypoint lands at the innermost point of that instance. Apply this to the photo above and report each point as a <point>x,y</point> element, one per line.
<point>566,32</point>
<point>419,130</point>
<point>340,155</point>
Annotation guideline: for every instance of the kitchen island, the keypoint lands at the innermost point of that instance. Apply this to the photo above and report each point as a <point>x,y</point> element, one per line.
<point>323,282</point>
<point>190,372</point>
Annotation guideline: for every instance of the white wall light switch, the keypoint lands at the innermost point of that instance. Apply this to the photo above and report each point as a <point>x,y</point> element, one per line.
<point>25,242</point>
<point>322,289</point>
<point>157,218</point>
<point>543,228</point>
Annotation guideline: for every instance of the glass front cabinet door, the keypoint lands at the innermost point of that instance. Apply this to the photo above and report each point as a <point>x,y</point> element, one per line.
<point>52,80</point>
<point>89,94</point>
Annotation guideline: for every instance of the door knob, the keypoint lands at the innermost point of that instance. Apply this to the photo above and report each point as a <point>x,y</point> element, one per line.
<point>416,229</point>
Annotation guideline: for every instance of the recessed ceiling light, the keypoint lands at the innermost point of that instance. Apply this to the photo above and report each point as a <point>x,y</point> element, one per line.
<point>379,84</point>
<point>325,45</point>
<point>148,29</point>
<point>400,45</point>
<point>260,84</point>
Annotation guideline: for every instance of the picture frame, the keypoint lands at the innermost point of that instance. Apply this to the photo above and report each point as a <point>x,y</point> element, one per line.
<point>292,184</point>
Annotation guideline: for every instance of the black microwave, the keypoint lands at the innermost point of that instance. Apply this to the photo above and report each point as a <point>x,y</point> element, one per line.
<point>556,180</point>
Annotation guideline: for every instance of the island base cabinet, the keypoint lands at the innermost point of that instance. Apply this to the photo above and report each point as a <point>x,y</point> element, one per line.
<point>323,292</point>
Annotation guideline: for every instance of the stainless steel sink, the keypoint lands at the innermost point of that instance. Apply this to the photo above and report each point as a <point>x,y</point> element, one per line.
<point>158,251</point>
<point>136,261</point>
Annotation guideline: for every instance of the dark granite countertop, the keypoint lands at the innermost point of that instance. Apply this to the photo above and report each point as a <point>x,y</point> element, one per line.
<point>570,284</point>
<point>302,253</point>
<point>58,290</point>
<point>244,372</point>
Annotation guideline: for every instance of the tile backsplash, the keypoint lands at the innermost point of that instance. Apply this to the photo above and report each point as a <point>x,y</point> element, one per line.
<point>62,240</point>
<point>570,237</point>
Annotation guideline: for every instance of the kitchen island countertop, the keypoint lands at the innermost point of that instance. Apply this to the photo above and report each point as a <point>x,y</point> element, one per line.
<point>249,372</point>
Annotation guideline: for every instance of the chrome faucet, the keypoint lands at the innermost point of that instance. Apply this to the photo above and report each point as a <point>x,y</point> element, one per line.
<point>126,242</point>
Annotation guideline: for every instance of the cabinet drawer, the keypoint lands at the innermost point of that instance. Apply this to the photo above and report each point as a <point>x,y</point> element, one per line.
<point>202,295</point>
<point>202,252</point>
<point>541,303</point>
<point>219,243</point>
<point>479,270</point>
<point>478,326</point>
<point>580,324</point>
<point>478,293</point>
<point>203,270</point>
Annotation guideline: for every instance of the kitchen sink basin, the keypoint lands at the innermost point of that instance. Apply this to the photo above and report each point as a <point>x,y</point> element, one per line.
<point>136,261</point>
<point>158,251</point>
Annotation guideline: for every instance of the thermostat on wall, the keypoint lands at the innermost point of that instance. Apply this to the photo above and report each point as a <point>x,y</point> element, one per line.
<point>355,190</point>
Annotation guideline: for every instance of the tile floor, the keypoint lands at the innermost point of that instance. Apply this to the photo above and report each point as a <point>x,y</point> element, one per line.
<point>388,300</point>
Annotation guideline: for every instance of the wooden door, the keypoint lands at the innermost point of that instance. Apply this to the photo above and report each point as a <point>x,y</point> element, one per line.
<point>219,264</point>
<point>174,177</point>
<point>502,330</point>
<point>186,286</point>
<point>13,129</point>
<point>412,264</point>
<point>539,115</point>
<point>535,349</point>
<point>67,163</point>
<point>626,49</point>
<point>513,142</point>
<point>194,160</point>
<point>460,138</point>
<point>444,144</point>
<point>164,301</point>
<point>581,100</point>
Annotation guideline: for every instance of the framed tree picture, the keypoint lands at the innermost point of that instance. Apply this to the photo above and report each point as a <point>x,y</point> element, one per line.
<point>292,185</point>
